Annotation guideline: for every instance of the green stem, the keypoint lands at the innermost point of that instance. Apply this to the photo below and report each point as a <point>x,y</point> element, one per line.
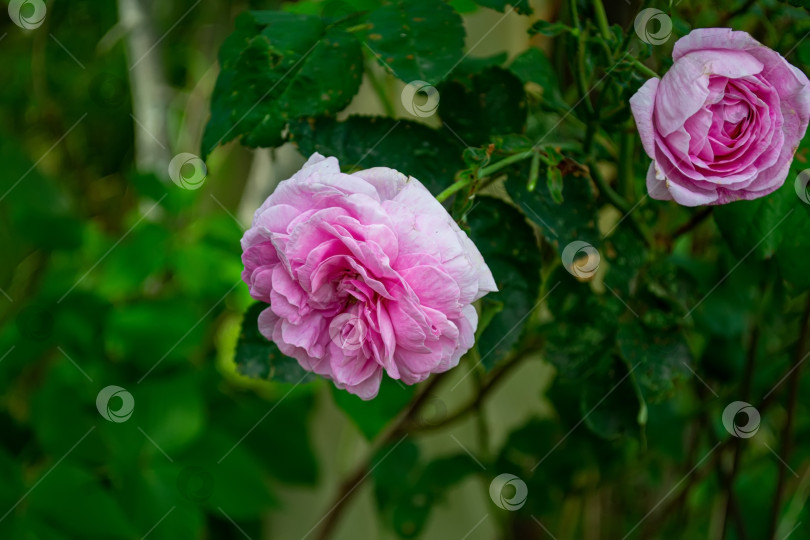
<point>601,19</point>
<point>461,184</point>
<point>614,198</point>
<point>644,70</point>
<point>358,27</point>
<point>626,176</point>
<point>572,4</point>
<point>534,173</point>
<point>486,171</point>
<point>483,173</point>
<point>582,83</point>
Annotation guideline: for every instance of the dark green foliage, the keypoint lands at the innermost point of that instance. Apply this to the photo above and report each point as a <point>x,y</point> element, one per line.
<point>112,275</point>
<point>363,142</point>
<point>516,267</point>
<point>259,358</point>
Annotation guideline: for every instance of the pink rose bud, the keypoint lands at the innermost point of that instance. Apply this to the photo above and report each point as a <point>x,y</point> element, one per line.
<point>724,122</point>
<point>363,272</point>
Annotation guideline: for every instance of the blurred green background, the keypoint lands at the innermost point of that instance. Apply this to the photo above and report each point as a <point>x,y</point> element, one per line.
<point>113,275</point>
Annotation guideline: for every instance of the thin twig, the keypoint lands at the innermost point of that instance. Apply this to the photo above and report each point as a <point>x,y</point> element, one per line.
<point>696,219</point>
<point>353,481</point>
<point>404,425</point>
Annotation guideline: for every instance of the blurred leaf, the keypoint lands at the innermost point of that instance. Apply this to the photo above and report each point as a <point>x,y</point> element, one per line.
<point>756,226</point>
<point>658,358</point>
<point>610,402</point>
<point>406,490</point>
<point>170,411</point>
<point>260,358</point>
<point>625,254</point>
<point>584,325</point>
<point>276,67</point>
<point>723,358</point>
<point>481,105</point>
<point>554,183</point>
<point>444,472</point>
<point>34,210</point>
<point>472,65</point>
<point>520,6</point>
<point>148,332</point>
<point>416,39</point>
<point>414,149</point>
<point>294,460</point>
<point>791,257</point>
<point>139,256</point>
<point>95,514</point>
<point>203,269</point>
<point>59,415</point>
<point>158,494</point>
<point>11,489</point>
<point>516,268</point>
<point>237,480</point>
<point>372,416</point>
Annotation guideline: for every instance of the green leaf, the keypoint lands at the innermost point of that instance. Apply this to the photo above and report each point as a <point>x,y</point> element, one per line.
<point>85,509</point>
<point>152,331</point>
<point>756,228</point>
<point>276,67</point>
<point>521,6</point>
<point>171,411</point>
<point>791,257</point>
<point>294,461</point>
<point>516,268</point>
<point>406,490</point>
<point>659,357</point>
<point>481,105</point>
<point>554,183</point>
<point>35,211</point>
<point>610,402</point>
<point>371,417</point>
<point>472,64</point>
<point>414,149</point>
<point>625,254</point>
<point>149,492</point>
<point>584,325</point>
<point>561,224</point>
<point>260,358</point>
<point>418,39</point>
<point>237,478</point>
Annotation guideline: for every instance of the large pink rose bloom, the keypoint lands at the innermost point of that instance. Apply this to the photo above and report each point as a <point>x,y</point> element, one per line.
<point>724,122</point>
<point>363,272</point>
